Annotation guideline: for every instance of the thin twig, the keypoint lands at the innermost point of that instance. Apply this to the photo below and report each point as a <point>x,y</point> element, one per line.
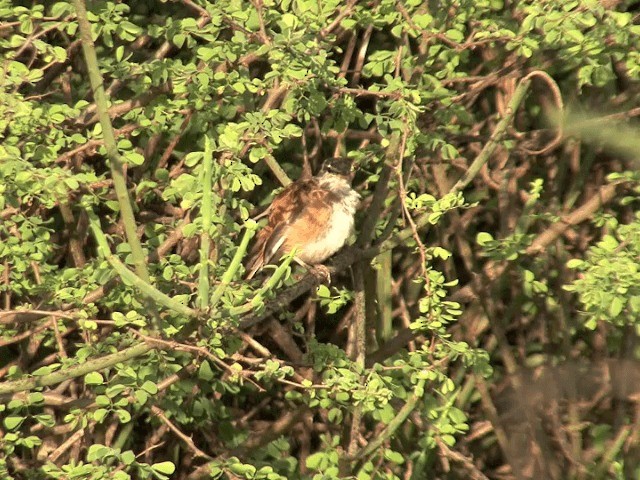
<point>187,440</point>
<point>66,445</point>
<point>345,12</point>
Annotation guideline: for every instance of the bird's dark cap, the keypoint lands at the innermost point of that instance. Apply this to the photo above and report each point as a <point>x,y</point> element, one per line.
<point>337,166</point>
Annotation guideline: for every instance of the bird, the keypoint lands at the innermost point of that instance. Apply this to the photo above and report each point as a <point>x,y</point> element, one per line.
<point>313,215</point>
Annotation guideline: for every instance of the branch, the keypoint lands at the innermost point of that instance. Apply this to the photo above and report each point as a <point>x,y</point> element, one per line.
<point>496,137</point>
<point>120,109</point>
<point>75,371</point>
<point>65,157</point>
<point>359,336</point>
<point>192,446</point>
<point>269,286</point>
<point>117,165</point>
<point>553,231</point>
<point>494,270</point>
<point>275,94</point>
<point>251,227</point>
<point>394,424</point>
<point>205,239</point>
<point>380,195</point>
<point>131,278</point>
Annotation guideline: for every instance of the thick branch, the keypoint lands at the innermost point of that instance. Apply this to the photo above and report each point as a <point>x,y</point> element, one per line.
<point>91,365</point>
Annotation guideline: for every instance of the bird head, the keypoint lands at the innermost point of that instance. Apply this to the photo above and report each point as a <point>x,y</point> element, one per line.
<point>337,166</point>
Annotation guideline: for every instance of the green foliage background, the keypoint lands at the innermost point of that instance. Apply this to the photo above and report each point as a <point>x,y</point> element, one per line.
<point>410,367</point>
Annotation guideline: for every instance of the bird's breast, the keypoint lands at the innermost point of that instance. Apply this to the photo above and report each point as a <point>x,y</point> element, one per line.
<point>339,228</point>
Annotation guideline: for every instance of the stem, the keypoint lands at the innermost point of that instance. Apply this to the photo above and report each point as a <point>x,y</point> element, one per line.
<point>394,424</point>
<point>384,295</point>
<point>205,239</point>
<point>382,190</point>
<point>251,227</point>
<point>602,470</point>
<point>131,278</point>
<point>117,165</point>
<point>360,339</point>
<point>277,170</point>
<point>496,137</point>
<point>149,290</point>
<point>270,285</point>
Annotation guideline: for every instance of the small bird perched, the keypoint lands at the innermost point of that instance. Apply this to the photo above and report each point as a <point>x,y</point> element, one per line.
<point>313,215</point>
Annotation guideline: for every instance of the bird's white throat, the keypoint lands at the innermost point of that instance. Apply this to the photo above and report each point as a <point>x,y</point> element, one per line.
<point>340,223</point>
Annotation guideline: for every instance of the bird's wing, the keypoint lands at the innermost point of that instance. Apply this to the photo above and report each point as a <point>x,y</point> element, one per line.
<point>286,207</point>
<point>311,223</point>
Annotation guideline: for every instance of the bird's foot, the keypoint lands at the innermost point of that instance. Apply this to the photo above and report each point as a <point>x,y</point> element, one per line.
<point>322,271</point>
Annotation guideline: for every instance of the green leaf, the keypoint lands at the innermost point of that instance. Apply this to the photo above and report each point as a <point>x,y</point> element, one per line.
<point>455,35</point>
<point>394,457</point>
<point>315,460</point>
<point>72,183</point>
<point>35,398</point>
<point>60,9</point>
<point>141,396</point>
<point>323,291</point>
<point>335,415</point>
<point>257,153</point>
<point>575,263</point>
<point>342,397</point>
<point>179,39</point>
<point>46,420</point>
<point>94,378</point>
<point>42,371</point>
<point>205,372</point>
<point>98,452</point>
<point>128,457</point>
<point>133,158</point>
<point>123,415</point>
<point>609,243</point>
<point>166,468</point>
<point>483,238</point>
<point>289,20</point>
<point>440,252</point>
<point>115,390</point>
<point>100,414</point>
<point>243,469</point>
<point>150,387</point>
<point>13,422</point>
<point>616,307</point>
<point>193,158</point>
<point>457,415</point>
<point>422,20</point>
<point>449,440</point>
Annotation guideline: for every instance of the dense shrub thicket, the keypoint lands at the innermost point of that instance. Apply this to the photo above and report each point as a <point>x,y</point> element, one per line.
<point>483,322</point>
